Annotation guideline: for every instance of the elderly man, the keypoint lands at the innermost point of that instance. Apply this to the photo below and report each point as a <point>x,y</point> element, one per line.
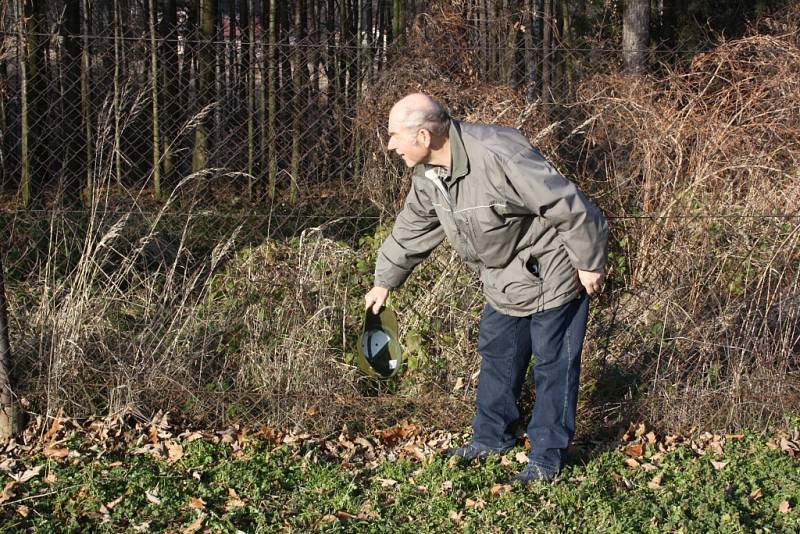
<point>540,248</point>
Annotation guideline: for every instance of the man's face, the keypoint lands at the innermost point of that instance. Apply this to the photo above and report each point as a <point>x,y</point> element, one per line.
<point>406,143</point>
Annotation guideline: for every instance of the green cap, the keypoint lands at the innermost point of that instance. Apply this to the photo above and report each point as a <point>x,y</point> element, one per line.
<point>379,351</point>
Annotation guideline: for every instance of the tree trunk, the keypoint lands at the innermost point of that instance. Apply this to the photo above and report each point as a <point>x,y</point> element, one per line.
<point>117,95</point>
<point>248,62</point>
<point>154,90</point>
<point>10,414</point>
<point>636,35</point>
<point>531,14</point>
<point>170,90</point>
<point>300,80</point>
<point>272,96</point>
<point>33,94</point>
<point>86,106</point>
<point>567,41</point>
<point>73,160</point>
<point>547,33</point>
<point>398,21</point>
<point>205,82</point>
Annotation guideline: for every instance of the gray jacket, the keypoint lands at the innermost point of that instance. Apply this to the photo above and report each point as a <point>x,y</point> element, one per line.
<point>509,214</point>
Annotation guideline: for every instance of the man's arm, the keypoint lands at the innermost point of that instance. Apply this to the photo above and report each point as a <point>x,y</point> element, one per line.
<point>415,234</point>
<point>580,224</point>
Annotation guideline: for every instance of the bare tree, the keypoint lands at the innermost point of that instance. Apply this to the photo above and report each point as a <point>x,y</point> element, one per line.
<point>32,82</point>
<point>170,69</point>
<point>73,161</point>
<point>206,82</point>
<point>300,81</point>
<point>154,88</point>
<point>272,96</point>
<point>117,92</point>
<point>10,415</point>
<point>636,35</point>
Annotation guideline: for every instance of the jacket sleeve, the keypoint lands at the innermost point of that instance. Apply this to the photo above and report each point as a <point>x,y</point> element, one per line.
<point>546,193</point>
<point>415,234</point>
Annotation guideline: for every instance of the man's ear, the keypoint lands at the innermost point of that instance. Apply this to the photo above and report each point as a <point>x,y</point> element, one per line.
<point>425,137</point>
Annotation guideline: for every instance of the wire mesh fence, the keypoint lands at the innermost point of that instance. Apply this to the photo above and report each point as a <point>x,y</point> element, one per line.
<point>86,114</point>
<point>190,215</point>
<point>242,318</point>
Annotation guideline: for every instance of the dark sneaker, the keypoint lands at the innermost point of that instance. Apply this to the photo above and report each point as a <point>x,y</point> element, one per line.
<point>533,473</point>
<point>473,451</point>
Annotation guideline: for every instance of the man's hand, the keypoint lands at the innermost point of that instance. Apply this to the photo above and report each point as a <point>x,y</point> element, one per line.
<point>592,281</point>
<point>376,298</point>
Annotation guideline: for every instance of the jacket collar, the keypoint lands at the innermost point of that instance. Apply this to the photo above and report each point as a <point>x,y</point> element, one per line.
<point>459,162</point>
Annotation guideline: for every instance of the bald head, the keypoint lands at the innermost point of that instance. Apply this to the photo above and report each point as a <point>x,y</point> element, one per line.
<point>418,110</point>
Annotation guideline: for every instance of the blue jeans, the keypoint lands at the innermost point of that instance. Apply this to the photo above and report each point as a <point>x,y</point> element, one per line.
<point>555,336</point>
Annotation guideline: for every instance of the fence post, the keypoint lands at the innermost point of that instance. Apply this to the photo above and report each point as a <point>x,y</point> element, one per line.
<point>10,416</point>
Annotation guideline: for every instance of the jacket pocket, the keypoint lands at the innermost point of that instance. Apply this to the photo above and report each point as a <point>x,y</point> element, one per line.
<point>494,235</point>
<point>516,281</point>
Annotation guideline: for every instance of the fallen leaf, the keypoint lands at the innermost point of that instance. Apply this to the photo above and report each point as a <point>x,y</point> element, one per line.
<point>28,474</point>
<point>115,502</point>
<point>55,452</point>
<point>447,485</point>
<point>415,451</point>
<point>455,516</point>
<point>648,467</point>
<point>386,482</point>
<point>174,451</point>
<point>152,496</point>
<point>345,516</point>
<point>651,437</point>
<point>734,436</point>
<point>8,492</point>
<point>635,450</point>
<point>194,436</point>
<point>718,465</point>
<point>142,527</point>
<point>499,489</point>
<point>478,503</point>
<point>329,517</point>
<point>521,457</point>
<point>716,447</point>
<point>364,443</point>
<point>54,428</point>
<point>196,525</point>
<point>630,462</point>
<point>656,482</point>
<point>7,464</point>
<point>23,510</point>
<point>785,507</point>
<point>392,435</point>
<point>459,384</point>
<point>153,433</point>
<point>234,501</point>
<point>756,494</point>
<point>792,448</point>
<point>313,411</point>
<point>421,489</point>
<point>197,503</point>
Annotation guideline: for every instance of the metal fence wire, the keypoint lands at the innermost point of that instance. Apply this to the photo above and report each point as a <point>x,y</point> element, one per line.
<point>191,207</point>
<point>286,108</point>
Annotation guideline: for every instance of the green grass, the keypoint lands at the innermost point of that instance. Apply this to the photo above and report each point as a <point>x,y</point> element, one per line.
<point>264,488</point>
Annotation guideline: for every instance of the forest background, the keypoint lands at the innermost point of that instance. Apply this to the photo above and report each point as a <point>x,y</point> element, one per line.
<point>192,194</point>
